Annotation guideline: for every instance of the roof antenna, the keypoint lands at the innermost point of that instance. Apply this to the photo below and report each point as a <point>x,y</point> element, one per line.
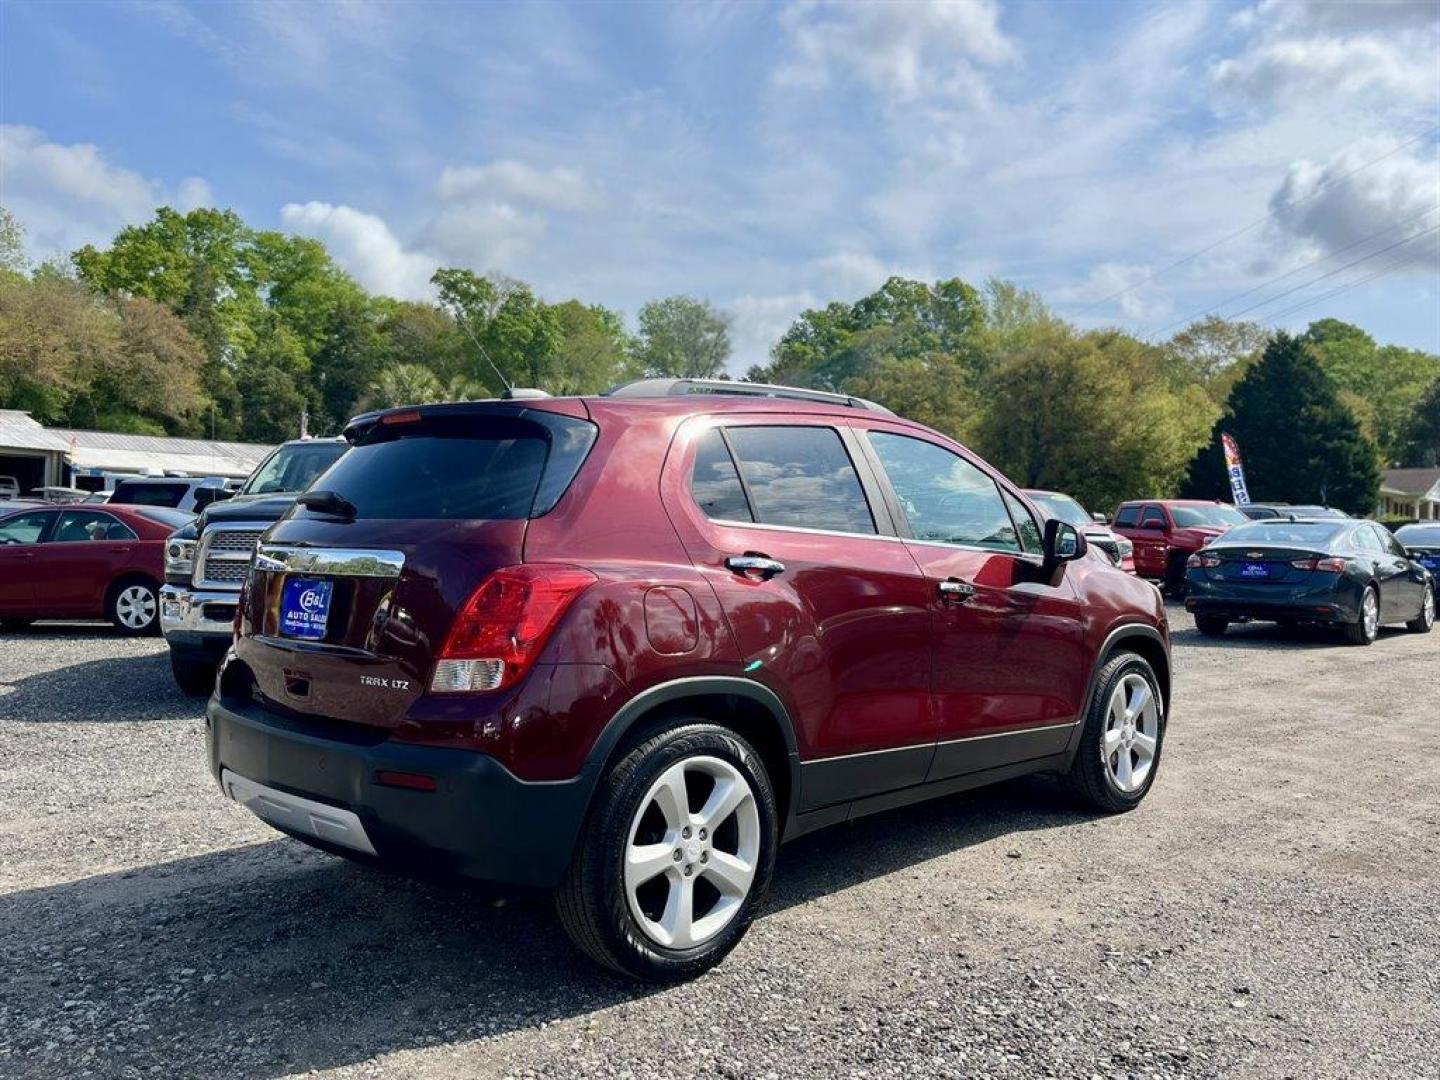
<point>485,355</point>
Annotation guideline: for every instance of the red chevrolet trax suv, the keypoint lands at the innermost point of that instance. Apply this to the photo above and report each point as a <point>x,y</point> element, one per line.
<point>622,646</point>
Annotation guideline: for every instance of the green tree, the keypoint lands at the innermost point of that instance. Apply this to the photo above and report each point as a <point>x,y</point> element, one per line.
<point>1093,415</point>
<point>1299,442</point>
<point>1214,352</point>
<point>1381,385</point>
<point>13,262</point>
<point>515,336</point>
<point>594,352</point>
<point>684,338</point>
<point>1422,434</point>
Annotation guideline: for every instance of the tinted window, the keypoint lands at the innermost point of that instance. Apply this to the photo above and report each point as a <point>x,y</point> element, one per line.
<point>1154,518</point>
<point>945,498</point>
<point>1207,515</point>
<point>1128,517</point>
<point>24,528</point>
<point>801,477</point>
<point>427,476</point>
<point>139,493</point>
<point>714,482</point>
<point>1284,532</point>
<point>293,467</point>
<point>80,526</point>
<point>1030,540</point>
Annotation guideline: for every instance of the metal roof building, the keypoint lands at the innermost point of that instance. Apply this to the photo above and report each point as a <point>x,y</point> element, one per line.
<point>37,455</point>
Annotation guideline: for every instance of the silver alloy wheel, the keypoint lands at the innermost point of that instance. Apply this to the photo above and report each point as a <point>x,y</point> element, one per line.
<point>1132,733</point>
<point>1427,608</point>
<point>135,607</point>
<point>1370,614</point>
<point>718,844</point>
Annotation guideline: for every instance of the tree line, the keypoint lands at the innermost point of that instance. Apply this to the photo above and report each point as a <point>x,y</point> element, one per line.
<point>198,324</point>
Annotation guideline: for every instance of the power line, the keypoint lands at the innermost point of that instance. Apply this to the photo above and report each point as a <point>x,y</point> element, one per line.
<point>1261,221</point>
<point>1214,309</point>
<point>1392,268</point>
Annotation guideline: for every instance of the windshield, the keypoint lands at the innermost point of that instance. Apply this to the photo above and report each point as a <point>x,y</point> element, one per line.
<point>1207,515</point>
<point>1064,508</point>
<point>1308,533</point>
<point>293,467</point>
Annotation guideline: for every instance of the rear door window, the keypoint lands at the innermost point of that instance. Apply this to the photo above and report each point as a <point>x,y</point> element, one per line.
<point>945,498</point>
<point>82,526</point>
<point>800,477</point>
<point>715,482</point>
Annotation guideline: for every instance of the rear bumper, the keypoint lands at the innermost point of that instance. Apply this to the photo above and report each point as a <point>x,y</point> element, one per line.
<point>319,783</point>
<point>1327,607</point>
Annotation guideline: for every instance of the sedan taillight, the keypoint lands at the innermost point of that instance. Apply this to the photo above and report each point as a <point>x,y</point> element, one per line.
<point>504,625</point>
<point>1321,566</point>
<point>1209,562</point>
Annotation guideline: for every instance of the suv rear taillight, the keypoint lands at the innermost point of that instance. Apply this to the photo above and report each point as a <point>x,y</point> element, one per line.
<point>504,625</point>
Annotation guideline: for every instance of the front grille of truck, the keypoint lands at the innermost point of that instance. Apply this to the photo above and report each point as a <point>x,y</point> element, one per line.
<point>225,553</point>
<point>1111,549</point>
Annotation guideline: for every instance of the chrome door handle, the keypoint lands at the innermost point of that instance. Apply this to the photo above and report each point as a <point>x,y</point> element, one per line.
<point>753,562</point>
<point>956,591</point>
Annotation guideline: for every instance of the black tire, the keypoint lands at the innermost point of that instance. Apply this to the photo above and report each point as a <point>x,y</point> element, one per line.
<point>592,902</point>
<point>1089,776</point>
<point>1422,623</point>
<point>1174,586</point>
<point>1358,633</point>
<point>14,626</point>
<point>1212,625</point>
<point>194,677</point>
<point>117,606</point>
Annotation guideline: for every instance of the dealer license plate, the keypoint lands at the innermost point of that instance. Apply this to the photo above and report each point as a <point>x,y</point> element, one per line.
<point>305,608</point>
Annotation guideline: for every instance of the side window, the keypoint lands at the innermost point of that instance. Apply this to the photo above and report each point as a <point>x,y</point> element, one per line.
<point>801,477</point>
<point>1392,545</point>
<point>945,498</point>
<point>78,526</point>
<point>1366,540</point>
<point>24,528</point>
<point>1030,539</point>
<point>1152,518</point>
<point>1128,517</point>
<point>714,482</point>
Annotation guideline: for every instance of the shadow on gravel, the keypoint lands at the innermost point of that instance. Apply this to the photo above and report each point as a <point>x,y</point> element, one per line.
<point>1270,635</point>
<point>114,690</point>
<point>272,959</point>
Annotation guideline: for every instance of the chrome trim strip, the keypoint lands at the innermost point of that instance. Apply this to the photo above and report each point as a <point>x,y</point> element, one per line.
<point>942,742</point>
<point>800,529</point>
<point>345,562</point>
<point>286,811</point>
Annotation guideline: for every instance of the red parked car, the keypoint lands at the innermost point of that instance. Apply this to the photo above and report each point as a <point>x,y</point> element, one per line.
<point>1166,532</point>
<point>85,562</point>
<point>623,646</point>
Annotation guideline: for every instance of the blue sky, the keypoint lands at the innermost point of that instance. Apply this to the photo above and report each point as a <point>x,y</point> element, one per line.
<point>766,157</point>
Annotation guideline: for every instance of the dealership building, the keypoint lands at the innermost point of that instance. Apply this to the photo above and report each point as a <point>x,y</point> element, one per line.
<point>39,456</point>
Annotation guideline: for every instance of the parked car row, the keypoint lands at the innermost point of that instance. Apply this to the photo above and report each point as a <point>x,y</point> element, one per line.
<point>622,647</point>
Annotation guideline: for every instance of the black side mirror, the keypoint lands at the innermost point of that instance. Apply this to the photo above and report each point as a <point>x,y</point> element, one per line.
<point>1063,543</point>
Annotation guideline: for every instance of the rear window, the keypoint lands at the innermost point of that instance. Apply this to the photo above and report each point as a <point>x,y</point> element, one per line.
<point>1207,515</point>
<point>1284,532</point>
<point>462,467</point>
<point>175,519</point>
<point>139,493</point>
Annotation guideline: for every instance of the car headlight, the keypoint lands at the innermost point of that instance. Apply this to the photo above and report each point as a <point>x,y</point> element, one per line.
<point>179,557</point>
<point>1126,548</point>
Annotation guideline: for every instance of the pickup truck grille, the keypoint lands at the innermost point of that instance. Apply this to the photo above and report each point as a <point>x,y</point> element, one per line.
<point>225,553</point>
<point>1111,549</point>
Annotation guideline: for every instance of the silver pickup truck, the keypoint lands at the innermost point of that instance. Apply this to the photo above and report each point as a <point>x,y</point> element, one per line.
<point>206,562</point>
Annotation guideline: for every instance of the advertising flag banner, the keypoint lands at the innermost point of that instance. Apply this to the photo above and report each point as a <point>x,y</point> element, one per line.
<point>1235,469</point>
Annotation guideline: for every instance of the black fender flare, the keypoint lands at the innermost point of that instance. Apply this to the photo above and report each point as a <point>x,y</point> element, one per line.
<point>1114,641</point>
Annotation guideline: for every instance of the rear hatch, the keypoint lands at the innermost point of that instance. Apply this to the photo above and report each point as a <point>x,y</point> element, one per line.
<point>352,594</point>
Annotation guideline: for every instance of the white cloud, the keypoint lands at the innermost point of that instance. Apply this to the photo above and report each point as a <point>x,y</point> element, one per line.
<point>757,323</point>
<point>364,245</point>
<point>511,181</point>
<point>482,234</point>
<point>1137,299</point>
<point>67,195</point>
<point>905,51</point>
<point>1345,200</point>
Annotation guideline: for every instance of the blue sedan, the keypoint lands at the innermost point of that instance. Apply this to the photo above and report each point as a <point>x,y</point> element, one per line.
<point>1354,575</point>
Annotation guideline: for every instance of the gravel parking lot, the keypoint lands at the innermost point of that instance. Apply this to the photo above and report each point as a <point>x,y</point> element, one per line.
<point>1272,910</point>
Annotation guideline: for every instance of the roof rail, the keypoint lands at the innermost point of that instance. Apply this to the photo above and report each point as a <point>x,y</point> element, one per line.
<point>653,388</point>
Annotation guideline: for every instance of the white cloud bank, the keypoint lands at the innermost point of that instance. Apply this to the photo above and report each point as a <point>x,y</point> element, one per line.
<point>364,245</point>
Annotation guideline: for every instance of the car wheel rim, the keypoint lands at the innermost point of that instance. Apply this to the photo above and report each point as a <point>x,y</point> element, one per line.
<point>1132,733</point>
<point>1370,612</point>
<point>1427,609</point>
<point>135,607</point>
<point>692,852</point>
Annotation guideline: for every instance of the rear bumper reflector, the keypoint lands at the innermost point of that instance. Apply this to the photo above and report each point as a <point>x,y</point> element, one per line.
<point>279,808</point>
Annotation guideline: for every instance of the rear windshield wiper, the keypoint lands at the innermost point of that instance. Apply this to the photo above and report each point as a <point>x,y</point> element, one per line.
<point>328,502</point>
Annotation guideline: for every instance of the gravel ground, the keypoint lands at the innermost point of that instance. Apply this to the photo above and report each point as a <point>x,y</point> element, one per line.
<point>1270,911</point>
